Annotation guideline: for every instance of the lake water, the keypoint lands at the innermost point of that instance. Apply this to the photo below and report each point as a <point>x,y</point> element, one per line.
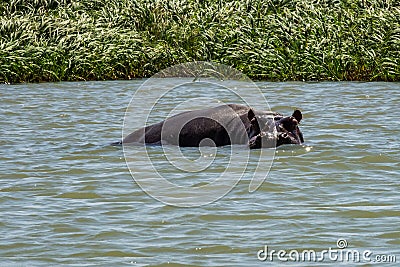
<point>68,198</point>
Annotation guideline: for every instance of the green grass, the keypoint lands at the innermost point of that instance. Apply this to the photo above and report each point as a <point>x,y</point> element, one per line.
<point>67,40</point>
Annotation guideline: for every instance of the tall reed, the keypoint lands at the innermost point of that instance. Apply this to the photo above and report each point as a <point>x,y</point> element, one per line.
<point>54,40</point>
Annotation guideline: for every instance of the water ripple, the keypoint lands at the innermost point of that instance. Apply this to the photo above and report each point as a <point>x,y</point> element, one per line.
<point>67,197</point>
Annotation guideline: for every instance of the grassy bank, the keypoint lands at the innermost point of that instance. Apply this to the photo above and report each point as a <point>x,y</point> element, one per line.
<point>53,40</point>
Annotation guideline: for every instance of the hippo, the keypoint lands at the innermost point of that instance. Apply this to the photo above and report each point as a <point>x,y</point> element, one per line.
<point>221,126</point>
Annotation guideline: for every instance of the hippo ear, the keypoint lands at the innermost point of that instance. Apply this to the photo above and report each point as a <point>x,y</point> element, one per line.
<point>297,115</point>
<point>251,115</point>
<point>253,120</point>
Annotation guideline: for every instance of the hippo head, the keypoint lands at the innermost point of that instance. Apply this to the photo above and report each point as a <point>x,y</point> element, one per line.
<point>288,129</point>
<point>276,131</point>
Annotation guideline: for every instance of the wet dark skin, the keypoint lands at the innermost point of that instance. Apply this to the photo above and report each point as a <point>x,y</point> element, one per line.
<point>221,126</point>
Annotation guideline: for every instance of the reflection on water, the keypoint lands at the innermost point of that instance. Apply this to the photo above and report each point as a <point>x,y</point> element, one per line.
<point>67,197</point>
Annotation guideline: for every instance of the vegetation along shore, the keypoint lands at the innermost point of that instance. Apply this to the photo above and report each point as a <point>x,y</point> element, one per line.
<point>278,40</point>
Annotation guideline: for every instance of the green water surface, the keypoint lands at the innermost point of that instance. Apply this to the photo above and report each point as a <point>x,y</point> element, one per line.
<point>67,197</point>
